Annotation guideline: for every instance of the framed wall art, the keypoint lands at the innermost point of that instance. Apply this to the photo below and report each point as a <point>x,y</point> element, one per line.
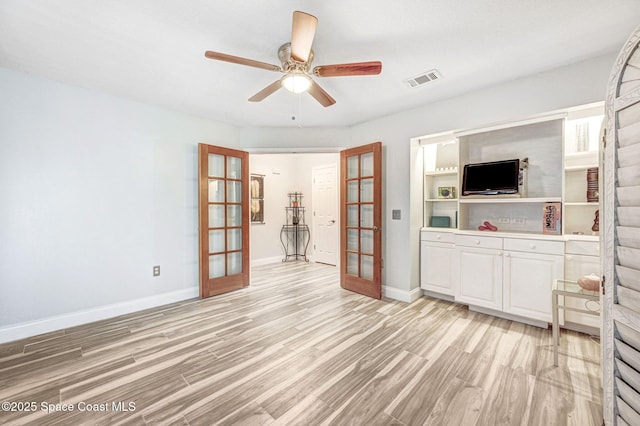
<point>257,198</point>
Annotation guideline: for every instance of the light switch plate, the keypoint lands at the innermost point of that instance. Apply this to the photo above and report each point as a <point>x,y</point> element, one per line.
<point>395,214</point>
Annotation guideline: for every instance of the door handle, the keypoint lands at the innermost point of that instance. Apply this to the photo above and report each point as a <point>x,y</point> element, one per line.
<point>331,222</point>
<point>376,229</point>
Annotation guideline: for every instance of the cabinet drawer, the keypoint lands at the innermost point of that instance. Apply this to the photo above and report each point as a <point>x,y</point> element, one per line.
<point>534,246</point>
<point>437,237</point>
<point>477,241</point>
<point>588,248</point>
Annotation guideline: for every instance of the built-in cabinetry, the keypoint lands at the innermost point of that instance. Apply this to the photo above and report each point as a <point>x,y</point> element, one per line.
<point>506,274</point>
<point>478,277</point>
<point>509,275</point>
<point>437,262</point>
<point>511,271</point>
<point>530,266</point>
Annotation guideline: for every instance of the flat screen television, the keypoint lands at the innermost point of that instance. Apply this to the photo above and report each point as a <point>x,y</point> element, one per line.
<point>494,178</point>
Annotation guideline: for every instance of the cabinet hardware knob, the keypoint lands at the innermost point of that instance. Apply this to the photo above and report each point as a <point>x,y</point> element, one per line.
<point>477,242</point>
<point>437,237</point>
<point>532,246</point>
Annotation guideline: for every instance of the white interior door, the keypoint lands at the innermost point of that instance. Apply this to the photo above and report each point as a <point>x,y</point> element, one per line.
<point>325,214</point>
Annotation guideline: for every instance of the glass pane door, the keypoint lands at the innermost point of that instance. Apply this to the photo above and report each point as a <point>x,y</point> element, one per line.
<point>361,187</point>
<point>360,216</point>
<point>223,228</point>
<point>225,210</point>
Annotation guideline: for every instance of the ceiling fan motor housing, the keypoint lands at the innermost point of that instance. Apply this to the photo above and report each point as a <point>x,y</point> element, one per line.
<point>291,65</point>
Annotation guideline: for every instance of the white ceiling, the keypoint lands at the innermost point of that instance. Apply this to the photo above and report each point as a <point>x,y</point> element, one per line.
<point>153,51</point>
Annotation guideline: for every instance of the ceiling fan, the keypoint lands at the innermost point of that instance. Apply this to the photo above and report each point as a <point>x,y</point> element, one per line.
<point>296,58</point>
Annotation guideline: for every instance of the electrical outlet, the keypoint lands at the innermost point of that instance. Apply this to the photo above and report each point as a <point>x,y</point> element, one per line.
<point>504,220</point>
<point>519,221</point>
<point>156,271</point>
<point>395,214</point>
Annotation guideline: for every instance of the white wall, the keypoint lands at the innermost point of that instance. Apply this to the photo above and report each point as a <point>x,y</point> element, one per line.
<point>307,139</point>
<point>94,191</point>
<point>294,173</point>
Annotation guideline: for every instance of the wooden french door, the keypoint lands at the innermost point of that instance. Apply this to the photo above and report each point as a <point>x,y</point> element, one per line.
<point>223,180</point>
<point>361,219</point>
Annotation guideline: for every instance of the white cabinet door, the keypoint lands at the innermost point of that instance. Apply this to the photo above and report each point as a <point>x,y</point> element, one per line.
<point>436,267</point>
<point>528,279</point>
<point>576,266</point>
<point>479,277</point>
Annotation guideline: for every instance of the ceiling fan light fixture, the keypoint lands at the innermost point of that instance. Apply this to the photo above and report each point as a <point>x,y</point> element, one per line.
<point>296,82</point>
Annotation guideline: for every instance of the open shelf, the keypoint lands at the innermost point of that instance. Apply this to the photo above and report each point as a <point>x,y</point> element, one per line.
<point>580,168</point>
<point>438,229</point>
<point>441,173</point>
<point>507,200</point>
<point>585,203</point>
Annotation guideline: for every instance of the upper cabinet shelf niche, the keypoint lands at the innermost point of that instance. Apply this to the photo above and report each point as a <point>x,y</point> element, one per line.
<point>583,137</point>
<point>560,148</point>
<point>540,141</point>
<point>440,181</point>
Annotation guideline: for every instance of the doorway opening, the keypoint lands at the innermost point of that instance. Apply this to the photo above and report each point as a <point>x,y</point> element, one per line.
<point>285,173</point>
<point>357,202</point>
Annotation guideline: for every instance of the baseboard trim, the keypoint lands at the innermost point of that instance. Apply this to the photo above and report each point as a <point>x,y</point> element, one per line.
<point>436,295</point>
<point>499,314</point>
<point>59,322</point>
<point>401,295</point>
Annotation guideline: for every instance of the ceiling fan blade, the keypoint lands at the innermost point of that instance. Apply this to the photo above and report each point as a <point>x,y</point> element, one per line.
<point>302,34</point>
<point>242,61</point>
<point>320,95</point>
<point>266,91</point>
<point>356,68</point>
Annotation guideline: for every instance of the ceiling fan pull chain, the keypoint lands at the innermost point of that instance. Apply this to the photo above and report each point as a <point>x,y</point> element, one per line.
<point>297,115</point>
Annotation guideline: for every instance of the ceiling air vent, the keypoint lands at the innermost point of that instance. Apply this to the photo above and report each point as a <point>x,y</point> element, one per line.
<point>423,78</point>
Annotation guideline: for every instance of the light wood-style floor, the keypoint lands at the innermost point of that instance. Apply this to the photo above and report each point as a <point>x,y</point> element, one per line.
<point>295,349</point>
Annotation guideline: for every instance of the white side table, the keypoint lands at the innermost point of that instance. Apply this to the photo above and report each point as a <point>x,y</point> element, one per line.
<point>568,289</point>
